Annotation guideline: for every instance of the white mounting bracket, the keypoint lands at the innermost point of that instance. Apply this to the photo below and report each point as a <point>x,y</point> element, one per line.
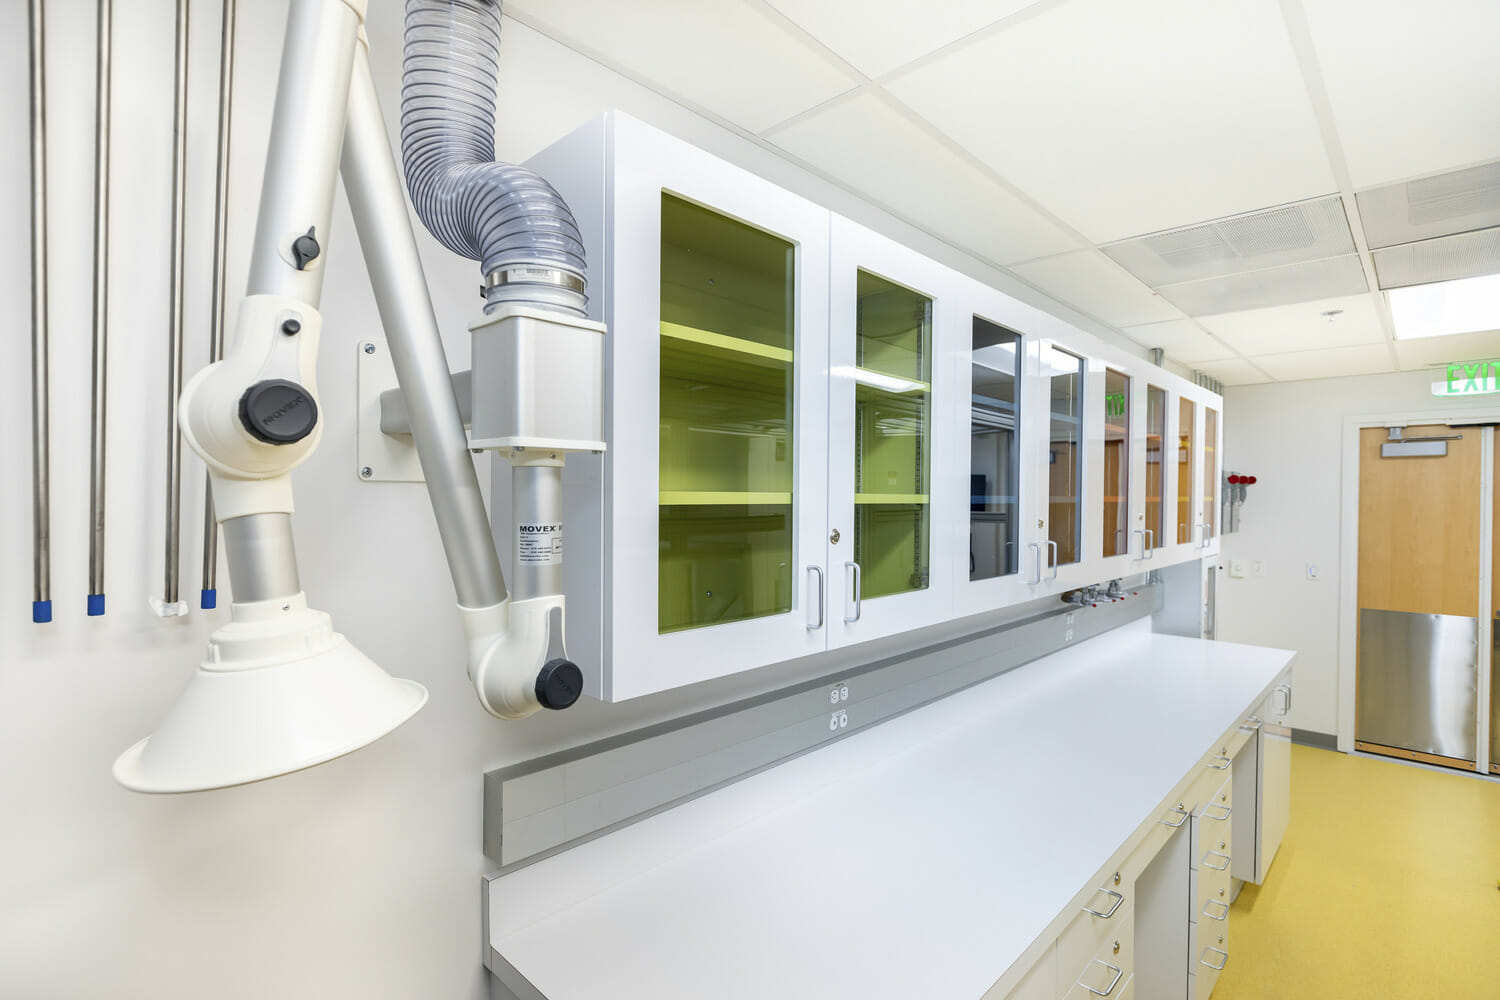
<point>389,458</point>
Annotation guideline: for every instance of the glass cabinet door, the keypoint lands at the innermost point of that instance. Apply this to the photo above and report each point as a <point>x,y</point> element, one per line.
<point>1210,498</point>
<point>887,467</point>
<point>726,420</point>
<point>1186,416</point>
<point>994,451</point>
<point>1116,520</point>
<point>1064,457</point>
<point>1156,433</point>
<point>893,431</point>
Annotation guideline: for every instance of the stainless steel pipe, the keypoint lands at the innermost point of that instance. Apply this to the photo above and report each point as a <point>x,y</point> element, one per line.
<point>208,595</point>
<point>41,488</point>
<point>99,349</point>
<point>390,250</point>
<point>171,600</point>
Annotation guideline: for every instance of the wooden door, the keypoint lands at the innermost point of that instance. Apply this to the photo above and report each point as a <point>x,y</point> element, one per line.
<point>1418,597</point>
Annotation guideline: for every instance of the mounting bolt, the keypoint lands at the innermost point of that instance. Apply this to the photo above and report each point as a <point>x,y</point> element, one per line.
<point>369,348</point>
<point>366,472</point>
<point>476,451</point>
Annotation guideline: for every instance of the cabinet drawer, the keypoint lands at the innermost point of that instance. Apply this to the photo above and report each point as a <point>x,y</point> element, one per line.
<point>1211,897</point>
<point>1105,973</point>
<point>1041,982</point>
<point>1209,951</point>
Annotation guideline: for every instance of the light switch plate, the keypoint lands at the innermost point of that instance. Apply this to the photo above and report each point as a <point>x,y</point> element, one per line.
<point>1237,569</point>
<point>1258,568</point>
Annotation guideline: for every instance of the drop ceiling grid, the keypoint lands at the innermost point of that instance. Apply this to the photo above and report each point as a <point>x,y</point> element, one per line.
<point>708,51</point>
<point>1428,66</point>
<point>873,148</point>
<point>1130,123</point>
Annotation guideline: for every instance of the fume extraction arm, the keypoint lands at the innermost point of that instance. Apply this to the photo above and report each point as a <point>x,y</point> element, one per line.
<point>279,690</point>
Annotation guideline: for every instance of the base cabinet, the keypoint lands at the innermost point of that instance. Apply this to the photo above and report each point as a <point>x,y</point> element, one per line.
<point>1157,926</point>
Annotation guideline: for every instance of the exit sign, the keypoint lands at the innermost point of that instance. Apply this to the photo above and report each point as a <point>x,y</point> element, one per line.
<point>1114,404</point>
<point>1469,378</point>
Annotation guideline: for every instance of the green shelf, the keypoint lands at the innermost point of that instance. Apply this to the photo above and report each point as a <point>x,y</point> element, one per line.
<point>708,498</point>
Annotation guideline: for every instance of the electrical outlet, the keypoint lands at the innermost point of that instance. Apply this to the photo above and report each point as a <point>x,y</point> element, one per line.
<point>1258,568</point>
<point>1312,571</point>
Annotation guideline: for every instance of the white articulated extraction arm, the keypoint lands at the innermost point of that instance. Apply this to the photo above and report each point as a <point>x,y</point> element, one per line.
<point>279,690</point>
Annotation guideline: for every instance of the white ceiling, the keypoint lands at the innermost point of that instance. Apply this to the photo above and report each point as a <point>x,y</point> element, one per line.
<point>1028,132</point>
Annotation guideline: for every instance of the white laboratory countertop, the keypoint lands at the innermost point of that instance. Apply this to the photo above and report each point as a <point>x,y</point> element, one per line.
<point>917,858</point>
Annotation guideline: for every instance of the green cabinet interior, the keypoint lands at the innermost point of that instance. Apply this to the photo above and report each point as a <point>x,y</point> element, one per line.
<point>728,345</point>
<point>892,401</point>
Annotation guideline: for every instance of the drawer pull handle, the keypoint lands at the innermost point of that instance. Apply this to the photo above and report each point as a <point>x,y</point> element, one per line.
<point>1181,814</point>
<point>1216,916</point>
<point>1215,854</point>
<point>1117,899</point>
<point>1220,767</point>
<point>1112,983</point>
<point>1223,960</point>
<point>1251,725</point>
<point>1227,811</point>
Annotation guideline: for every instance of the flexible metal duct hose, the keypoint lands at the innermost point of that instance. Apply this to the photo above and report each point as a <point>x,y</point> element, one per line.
<point>504,216</point>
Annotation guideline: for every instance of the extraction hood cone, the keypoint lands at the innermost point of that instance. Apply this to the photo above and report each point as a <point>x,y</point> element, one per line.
<point>279,691</point>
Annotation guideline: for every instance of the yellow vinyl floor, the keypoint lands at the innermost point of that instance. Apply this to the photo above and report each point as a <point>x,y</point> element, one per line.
<point>1385,887</point>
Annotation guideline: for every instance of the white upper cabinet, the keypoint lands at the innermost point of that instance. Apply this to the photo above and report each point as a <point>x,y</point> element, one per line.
<point>818,437</point>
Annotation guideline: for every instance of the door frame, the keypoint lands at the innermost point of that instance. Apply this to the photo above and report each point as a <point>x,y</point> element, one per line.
<point>1349,564</point>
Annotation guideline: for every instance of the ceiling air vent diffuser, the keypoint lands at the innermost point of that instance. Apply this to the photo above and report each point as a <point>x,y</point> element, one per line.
<point>1467,255</point>
<point>1275,286</point>
<point>1288,234</point>
<point>1455,202</point>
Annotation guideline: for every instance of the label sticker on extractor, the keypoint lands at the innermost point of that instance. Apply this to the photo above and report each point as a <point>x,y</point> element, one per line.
<point>538,544</point>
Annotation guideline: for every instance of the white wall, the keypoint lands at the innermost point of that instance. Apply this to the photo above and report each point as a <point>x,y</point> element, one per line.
<point>1290,435</point>
<point>359,878</point>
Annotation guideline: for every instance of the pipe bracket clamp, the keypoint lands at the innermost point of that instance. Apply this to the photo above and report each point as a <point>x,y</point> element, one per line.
<point>534,276</point>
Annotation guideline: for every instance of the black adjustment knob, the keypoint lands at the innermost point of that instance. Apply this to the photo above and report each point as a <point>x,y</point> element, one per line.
<point>291,328</point>
<point>277,411</point>
<point>559,684</point>
<point>305,248</point>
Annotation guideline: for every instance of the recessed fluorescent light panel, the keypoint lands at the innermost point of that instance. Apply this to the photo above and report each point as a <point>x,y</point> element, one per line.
<point>1469,305</point>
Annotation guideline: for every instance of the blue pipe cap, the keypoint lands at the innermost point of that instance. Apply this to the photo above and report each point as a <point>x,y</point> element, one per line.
<point>96,605</point>
<point>41,612</point>
<point>208,599</point>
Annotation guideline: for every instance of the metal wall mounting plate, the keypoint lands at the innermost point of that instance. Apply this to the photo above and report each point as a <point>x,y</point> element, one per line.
<point>390,458</point>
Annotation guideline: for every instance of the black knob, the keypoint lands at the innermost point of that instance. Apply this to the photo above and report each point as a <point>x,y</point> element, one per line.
<point>559,684</point>
<point>277,411</point>
<point>305,248</point>
<point>291,328</point>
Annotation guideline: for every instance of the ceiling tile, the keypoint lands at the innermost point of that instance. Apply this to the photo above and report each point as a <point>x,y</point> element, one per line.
<point>1367,359</point>
<point>1300,327</point>
<point>1129,118</point>
<point>876,36</point>
<point>1092,283</point>
<point>866,145</point>
<point>703,53</point>
<point>1447,350</point>
<point>1182,339</point>
<point>1234,372</point>
<point>1422,72</point>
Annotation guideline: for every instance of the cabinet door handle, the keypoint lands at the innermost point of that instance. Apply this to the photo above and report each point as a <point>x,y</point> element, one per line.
<point>1150,543</point>
<point>1220,767</point>
<point>1115,900</point>
<point>1216,916</point>
<point>1112,983</point>
<point>1033,546</point>
<point>1052,558</point>
<point>1142,533</point>
<point>854,589</point>
<point>821,610</point>
<point>1251,725</point>
<point>1205,532</point>
<point>1227,811</point>
<point>1215,854</point>
<point>1182,816</point>
<point>1222,960</point>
